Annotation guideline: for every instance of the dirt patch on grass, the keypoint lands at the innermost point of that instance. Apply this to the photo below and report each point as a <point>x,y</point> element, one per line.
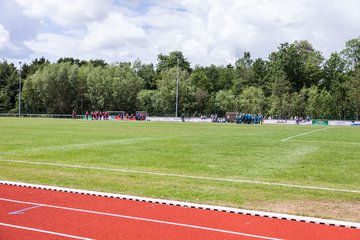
<point>338,210</point>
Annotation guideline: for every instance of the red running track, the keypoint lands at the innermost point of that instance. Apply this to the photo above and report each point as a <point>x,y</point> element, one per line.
<point>30,213</point>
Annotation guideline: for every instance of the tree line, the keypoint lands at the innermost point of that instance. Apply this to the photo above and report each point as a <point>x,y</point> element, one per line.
<point>295,80</point>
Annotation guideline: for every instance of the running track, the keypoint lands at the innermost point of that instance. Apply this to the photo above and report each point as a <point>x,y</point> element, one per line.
<point>32,213</point>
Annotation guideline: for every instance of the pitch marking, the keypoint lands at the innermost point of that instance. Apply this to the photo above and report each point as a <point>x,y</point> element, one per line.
<point>185,176</point>
<point>144,219</point>
<point>302,134</point>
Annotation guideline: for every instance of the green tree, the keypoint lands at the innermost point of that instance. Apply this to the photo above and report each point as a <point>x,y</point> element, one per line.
<point>125,86</point>
<point>252,100</point>
<point>148,100</point>
<point>211,82</point>
<point>97,63</point>
<point>99,88</point>
<point>72,61</point>
<point>225,77</point>
<point>167,91</point>
<point>297,103</point>
<point>200,80</point>
<point>9,86</point>
<point>340,101</point>
<point>201,100</point>
<point>146,72</point>
<point>225,101</point>
<point>260,73</point>
<point>243,74</point>
<point>279,99</point>
<point>352,53</point>
<point>334,71</point>
<point>4,100</point>
<point>36,64</point>
<point>318,104</point>
<point>300,63</point>
<point>171,61</point>
<point>354,91</point>
<point>52,89</point>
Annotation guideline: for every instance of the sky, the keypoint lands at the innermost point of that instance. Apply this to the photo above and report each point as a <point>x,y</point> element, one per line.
<point>206,31</point>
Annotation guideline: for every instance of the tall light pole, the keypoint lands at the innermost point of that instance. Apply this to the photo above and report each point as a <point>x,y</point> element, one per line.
<point>177,88</point>
<point>20,89</point>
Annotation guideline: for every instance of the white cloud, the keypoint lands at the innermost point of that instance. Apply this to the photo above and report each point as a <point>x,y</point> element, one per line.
<point>58,45</point>
<point>66,12</point>
<point>207,31</point>
<point>4,37</point>
<point>112,32</point>
<point>5,41</point>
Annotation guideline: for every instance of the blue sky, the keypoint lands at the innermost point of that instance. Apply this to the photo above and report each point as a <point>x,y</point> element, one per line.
<point>206,31</point>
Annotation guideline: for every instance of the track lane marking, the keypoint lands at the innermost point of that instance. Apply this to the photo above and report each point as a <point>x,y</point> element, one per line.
<point>44,231</point>
<point>143,219</point>
<point>23,210</point>
<point>185,176</point>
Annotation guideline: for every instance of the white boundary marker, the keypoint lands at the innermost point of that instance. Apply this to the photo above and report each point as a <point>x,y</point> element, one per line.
<point>144,219</point>
<point>302,134</point>
<point>192,205</point>
<point>185,176</point>
<point>43,231</point>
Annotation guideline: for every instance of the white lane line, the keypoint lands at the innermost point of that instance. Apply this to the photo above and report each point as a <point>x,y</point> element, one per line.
<point>143,219</point>
<point>302,134</point>
<point>44,231</point>
<point>185,176</point>
<point>23,210</point>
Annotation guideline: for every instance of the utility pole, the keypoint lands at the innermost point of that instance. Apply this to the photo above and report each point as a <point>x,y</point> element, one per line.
<point>20,89</point>
<point>177,88</point>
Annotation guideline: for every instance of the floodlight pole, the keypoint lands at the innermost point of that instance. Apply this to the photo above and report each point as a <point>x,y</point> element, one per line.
<point>20,89</point>
<point>177,88</point>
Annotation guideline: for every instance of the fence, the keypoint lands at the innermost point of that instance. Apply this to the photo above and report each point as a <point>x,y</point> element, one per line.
<point>195,119</point>
<point>40,115</point>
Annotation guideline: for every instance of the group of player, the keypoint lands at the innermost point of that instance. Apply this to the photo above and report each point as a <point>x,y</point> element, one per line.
<point>126,116</point>
<point>97,115</point>
<point>249,118</point>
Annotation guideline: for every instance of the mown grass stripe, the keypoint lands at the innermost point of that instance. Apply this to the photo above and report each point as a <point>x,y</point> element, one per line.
<point>185,176</point>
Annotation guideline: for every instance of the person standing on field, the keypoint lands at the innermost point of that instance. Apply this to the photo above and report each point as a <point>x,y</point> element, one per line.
<point>73,114</point>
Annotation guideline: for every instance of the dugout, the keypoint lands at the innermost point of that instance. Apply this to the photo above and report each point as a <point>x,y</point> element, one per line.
<point>230,116</point>
<point>116,113</point>
<point>141,115</point>
<point>144,113</point>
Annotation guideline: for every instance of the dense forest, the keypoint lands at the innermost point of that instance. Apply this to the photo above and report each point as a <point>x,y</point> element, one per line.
<point>295,80</point>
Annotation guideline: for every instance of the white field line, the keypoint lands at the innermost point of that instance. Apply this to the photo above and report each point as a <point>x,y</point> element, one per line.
<point>302,134</point>
<point>43,231</point>
<point>184,176</point>
<point>142,219</point>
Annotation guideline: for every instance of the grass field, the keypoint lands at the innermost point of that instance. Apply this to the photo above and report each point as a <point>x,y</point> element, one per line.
<point>240,166</point>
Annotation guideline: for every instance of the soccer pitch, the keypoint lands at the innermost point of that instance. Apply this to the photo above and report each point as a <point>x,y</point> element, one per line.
<point>303,170</point>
